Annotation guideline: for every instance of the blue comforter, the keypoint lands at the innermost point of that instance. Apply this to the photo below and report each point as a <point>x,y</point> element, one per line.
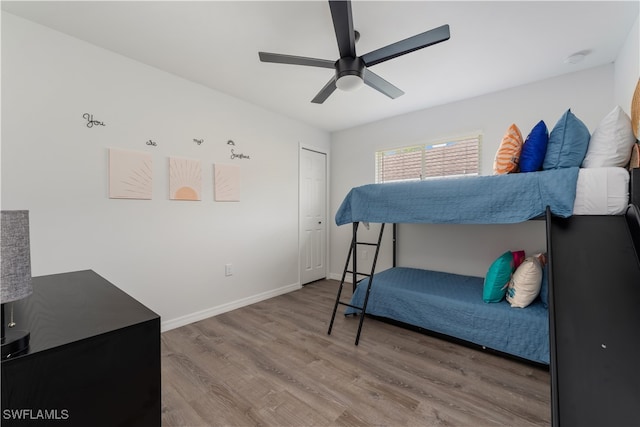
<point>492,199</point>
<point>451,304</point>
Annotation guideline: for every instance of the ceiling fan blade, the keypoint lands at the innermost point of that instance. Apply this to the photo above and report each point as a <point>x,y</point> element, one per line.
<point>373,80</point>
<point>343,26</point>
<point>325,91</point>
<point>296,60</point>
<point>405,46</point>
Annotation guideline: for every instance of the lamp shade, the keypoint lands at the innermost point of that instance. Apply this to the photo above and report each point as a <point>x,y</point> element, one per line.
<point>349,83</point>
<point>15,258</point>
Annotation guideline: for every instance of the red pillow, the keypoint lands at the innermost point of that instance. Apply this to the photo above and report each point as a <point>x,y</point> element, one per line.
<point>518,257</point>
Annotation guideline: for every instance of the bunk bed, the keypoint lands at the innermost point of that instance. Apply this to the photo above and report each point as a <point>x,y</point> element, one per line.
<point>450,304</point>
<point>585,321</point>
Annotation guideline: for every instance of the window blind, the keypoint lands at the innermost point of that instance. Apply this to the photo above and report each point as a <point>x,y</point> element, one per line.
<point>449,158</point>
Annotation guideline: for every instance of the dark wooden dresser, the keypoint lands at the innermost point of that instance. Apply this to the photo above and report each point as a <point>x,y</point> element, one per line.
<point>94,357</point>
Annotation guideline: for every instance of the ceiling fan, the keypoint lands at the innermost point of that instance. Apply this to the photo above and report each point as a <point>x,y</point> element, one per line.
<point>351,71</point>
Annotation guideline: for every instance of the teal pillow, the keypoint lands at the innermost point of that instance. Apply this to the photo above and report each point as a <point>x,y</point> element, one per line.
<point>534,148</point>
<point>568,143</point>
<point>497,278</point>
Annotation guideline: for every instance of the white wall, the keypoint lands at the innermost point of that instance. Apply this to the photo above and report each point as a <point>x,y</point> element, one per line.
<point>169,255</point>
<point>465,249</point>
<point>627,69</point>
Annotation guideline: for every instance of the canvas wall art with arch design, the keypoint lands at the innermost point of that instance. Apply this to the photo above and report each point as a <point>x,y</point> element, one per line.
<point>185,179</point>
<point>130,174</point>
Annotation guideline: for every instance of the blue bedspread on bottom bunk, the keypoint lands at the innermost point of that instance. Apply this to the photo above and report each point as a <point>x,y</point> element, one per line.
<point>452,304</point>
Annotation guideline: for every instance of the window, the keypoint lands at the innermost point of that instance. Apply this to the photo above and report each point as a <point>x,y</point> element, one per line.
<point>445,158</point>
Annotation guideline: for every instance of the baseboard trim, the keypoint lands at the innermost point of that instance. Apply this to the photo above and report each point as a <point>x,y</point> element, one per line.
<point>338,277</point>
<point>167,325</point>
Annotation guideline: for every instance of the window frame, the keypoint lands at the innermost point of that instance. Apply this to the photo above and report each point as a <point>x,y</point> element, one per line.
<point>424,147</point>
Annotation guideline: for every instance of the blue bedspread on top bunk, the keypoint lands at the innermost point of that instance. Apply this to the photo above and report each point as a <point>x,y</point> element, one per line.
<point>452,304</point>
<point>492,199</point>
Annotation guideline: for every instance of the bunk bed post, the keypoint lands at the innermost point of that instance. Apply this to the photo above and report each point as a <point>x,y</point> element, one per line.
<point>344,276</point>
<point>634,186</point>
<point>552,329</point>
<point>395,245</point>
<point>366,295</point>
<point>354,248</point>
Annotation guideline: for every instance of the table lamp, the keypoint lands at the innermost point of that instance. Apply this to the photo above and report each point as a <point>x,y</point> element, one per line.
<point>15,282</point>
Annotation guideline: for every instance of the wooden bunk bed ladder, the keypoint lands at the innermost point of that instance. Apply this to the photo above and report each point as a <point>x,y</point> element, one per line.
<point>352,257</point>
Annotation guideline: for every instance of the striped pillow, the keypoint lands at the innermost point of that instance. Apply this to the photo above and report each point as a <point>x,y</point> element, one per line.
<point>508,155</point>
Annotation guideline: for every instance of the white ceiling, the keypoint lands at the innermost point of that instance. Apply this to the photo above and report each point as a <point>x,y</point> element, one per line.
<point>493,46</point>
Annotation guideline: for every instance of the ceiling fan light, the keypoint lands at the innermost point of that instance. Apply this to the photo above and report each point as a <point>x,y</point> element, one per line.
<point>349,83</point>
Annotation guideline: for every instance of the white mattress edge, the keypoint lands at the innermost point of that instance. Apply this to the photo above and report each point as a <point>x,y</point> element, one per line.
<point>602,191</point>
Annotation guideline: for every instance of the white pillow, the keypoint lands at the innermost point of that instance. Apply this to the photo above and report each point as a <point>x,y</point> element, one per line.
<point>525,283</point>
<point>611,142</point>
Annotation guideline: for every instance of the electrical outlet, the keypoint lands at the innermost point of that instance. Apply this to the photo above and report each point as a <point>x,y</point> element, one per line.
<point>228,270</point>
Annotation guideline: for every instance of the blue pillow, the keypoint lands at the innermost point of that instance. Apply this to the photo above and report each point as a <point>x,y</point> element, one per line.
<point>534,148</point>
<point>497,279</point>
<point>544,288</point>
<point>568,143</point>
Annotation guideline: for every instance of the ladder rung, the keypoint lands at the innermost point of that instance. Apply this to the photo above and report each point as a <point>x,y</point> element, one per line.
<point>349,305</point>
<point>360,274</point>
<point>366,243</point>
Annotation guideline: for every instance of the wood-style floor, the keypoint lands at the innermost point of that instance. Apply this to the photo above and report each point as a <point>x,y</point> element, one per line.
<point>273,364</point>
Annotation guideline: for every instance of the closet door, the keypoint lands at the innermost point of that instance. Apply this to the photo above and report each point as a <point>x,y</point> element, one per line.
<point>313,208</point>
